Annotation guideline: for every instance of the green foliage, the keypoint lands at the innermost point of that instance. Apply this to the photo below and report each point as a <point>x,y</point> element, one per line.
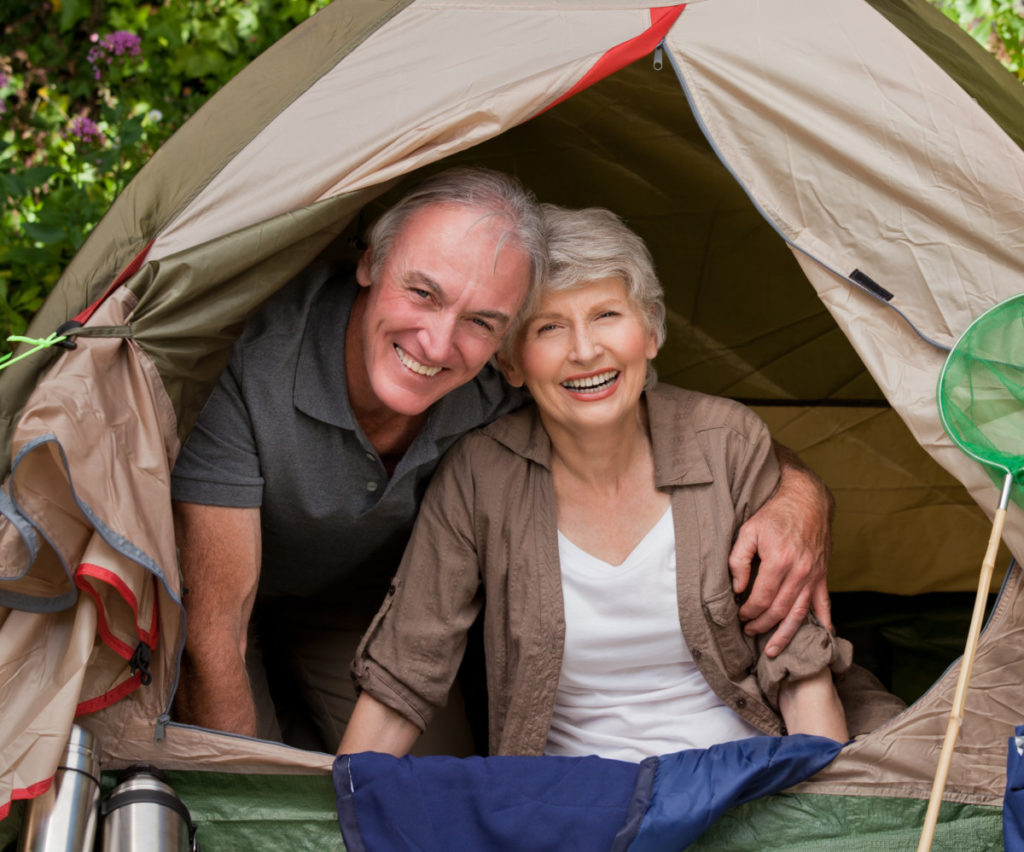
<point>89,89</point>
<point>998,25</point>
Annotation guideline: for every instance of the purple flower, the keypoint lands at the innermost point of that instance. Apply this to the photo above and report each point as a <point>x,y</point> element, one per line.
<point>85,129</point>
<point>120,43</point>
<point>4,79</point>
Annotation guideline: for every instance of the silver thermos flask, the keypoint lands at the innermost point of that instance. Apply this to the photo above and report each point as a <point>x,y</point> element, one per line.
<point>63,819</point>
<point>143,814</point>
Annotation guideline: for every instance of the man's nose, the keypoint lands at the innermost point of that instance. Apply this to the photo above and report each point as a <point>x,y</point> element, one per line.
<point>438,336</point>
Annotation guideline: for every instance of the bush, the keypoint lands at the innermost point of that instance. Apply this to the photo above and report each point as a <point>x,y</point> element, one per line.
<point>997,25</point>
<point>89,89</point>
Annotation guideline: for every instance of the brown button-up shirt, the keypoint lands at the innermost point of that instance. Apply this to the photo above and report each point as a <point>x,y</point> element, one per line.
<point>486,536</point>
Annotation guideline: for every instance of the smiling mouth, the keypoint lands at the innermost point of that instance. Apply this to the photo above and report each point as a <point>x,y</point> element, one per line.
<point>414,365</point>
<point>592,384</point>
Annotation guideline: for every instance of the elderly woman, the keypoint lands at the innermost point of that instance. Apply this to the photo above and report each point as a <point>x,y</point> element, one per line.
<point>594,529</point>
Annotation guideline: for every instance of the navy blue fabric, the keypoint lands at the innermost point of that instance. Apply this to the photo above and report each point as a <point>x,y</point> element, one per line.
<point>388,804</point>
<point>1013,804</point>
<point>693,788</point>
<point>562,804</point>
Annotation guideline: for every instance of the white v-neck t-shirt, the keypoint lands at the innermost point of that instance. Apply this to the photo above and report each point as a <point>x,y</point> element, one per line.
<point>629,687</point>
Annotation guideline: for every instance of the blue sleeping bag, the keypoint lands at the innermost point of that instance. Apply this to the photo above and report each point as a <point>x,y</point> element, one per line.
<point>440,804</point>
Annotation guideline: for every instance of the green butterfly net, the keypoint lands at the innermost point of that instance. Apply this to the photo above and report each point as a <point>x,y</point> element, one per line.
<point>981,394</point>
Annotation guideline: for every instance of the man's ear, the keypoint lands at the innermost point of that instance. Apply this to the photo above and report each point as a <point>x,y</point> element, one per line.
<point>509,371</point>
<point>364,268</point>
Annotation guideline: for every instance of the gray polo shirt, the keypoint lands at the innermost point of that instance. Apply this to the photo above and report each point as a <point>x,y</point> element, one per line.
<point>278,433</point>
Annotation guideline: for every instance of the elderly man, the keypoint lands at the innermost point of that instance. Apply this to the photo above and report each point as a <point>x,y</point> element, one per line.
<point>297,490</point>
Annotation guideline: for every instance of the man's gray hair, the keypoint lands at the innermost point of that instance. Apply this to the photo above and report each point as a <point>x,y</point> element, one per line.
<point>589,245</point>
<point>493,192</point>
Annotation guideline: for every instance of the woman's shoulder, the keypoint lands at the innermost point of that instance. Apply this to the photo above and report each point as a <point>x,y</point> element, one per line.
<point>512,435</point>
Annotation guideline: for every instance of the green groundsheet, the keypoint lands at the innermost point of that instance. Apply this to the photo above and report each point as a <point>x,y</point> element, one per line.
<point>296,813</point>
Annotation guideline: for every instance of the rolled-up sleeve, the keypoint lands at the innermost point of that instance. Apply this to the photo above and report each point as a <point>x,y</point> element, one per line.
<point>812,649</point>
<point>411,652</point>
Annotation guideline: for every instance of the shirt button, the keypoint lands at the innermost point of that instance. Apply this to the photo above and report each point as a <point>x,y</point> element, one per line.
<point>370,457</point>
<point>695,653</point>
<point>371,486</point>
<point>741,702</point>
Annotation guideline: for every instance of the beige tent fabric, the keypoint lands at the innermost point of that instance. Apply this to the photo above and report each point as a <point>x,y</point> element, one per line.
<point>829,173</point>
<point>42,670</point>
<point>899,759</point>
<point>92,463</point>
<point>511,63</point>
<point>957,240</point>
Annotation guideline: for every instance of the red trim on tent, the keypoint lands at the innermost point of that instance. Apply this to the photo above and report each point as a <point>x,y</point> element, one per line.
<point>30,792</point>
<point>105,575</point>
<point>629,51</point>
<point>110,697</point>
<point>128,272</point>
<point>85,572</point>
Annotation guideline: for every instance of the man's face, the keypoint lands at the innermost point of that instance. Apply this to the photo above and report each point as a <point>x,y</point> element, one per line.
<point>446,293</point>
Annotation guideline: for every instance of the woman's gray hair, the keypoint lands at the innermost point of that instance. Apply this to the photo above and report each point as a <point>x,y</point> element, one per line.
<point>592,244</point>
<point>493,192</point>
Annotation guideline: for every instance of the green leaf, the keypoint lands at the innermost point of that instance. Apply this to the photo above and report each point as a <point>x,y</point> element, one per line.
<point>47,234</point>
<point>71,12</point>
<point>36,176</point>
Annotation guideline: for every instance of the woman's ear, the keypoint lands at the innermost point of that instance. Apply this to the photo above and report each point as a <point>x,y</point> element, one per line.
<point>652,345</point>
<point>510,371</point>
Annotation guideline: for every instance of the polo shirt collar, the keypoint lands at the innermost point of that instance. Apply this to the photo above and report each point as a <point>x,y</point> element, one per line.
<point>678,457</point>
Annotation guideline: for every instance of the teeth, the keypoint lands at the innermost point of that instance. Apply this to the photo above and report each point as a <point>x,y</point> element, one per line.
<point>414,365</point>
<point>591,383</point>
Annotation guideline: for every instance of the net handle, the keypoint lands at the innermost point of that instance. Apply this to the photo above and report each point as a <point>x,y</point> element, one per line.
<point>956,713</point>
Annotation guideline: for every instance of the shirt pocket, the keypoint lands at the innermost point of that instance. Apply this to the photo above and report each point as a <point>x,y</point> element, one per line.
<point>735,649</point>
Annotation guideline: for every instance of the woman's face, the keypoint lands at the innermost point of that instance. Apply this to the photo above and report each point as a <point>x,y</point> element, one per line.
<point>583,354</point>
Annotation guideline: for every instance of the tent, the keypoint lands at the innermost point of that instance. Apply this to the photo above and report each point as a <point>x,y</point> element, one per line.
<point>831,192</point>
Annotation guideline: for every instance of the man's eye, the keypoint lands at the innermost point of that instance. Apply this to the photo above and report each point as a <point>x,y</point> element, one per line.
<point>418,291</point>
<point>486,326</point>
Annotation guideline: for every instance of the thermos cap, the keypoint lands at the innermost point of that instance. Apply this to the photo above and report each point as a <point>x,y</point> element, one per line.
<point>80,753</point>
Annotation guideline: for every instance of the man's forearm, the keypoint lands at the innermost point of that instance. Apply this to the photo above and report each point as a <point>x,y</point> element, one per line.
<point>802,483</point>
<point>215,693</point>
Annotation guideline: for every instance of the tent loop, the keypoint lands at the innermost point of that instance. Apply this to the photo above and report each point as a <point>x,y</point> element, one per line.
<point>659,57</point>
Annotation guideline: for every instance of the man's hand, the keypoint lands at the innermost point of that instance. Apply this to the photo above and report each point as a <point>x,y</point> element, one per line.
<point>791,535</point>
<point>220,556</point>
